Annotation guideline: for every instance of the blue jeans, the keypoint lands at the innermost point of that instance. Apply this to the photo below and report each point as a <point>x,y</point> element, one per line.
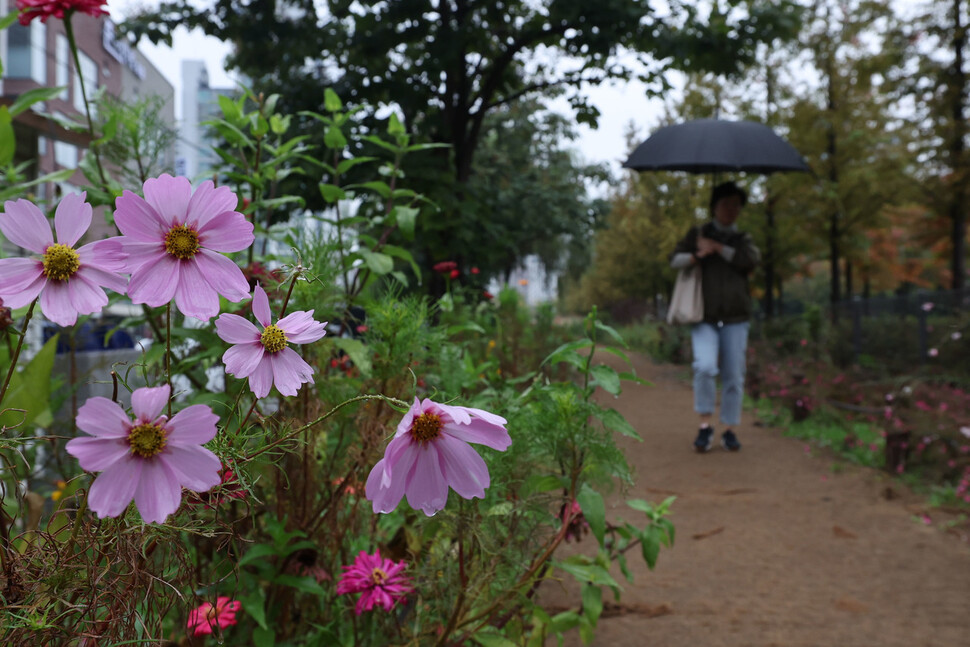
<point>719,348</point>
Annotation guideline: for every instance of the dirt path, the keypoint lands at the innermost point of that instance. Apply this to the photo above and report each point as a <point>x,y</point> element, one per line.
<point>773,546</point>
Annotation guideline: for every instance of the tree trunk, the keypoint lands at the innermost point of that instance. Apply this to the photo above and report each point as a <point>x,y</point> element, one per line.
<point>831,149</point>
<point>957,90</point>
<point>769,302</point>
<point>848,279</point>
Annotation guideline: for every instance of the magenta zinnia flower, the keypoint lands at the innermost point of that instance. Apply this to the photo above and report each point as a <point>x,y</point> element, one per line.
<point>69,281</point>
<point>174,239</point>
<point>378,580</point>
<point>430,452</point>
<point>204,619</point>
<point>263,355</point>
<point>149,459</point>
<point>44,9</point>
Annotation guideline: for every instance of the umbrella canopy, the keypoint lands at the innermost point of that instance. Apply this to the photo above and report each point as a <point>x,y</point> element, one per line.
<point>714,146</point>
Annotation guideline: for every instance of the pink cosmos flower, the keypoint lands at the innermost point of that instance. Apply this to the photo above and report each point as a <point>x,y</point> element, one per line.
<point>148,459</point>
<point>175,239</point>
<point>69,281</point>
<point>379,581</point>
<point>263,355</point>
<point>44,9</point>
<point>204,619</point>
<point>430,452</point>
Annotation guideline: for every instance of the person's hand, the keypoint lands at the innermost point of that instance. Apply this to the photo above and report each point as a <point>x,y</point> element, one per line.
<point>707,246</point>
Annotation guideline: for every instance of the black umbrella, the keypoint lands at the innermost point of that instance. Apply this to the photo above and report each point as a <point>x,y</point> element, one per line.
<point>715,146</point>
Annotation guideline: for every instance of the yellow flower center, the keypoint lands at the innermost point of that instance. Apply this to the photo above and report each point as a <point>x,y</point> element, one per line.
<point>426,427</point>
<point>146,440</point>
<point>378,576</point>
<point>273,339</point>
<point>60,262</point>
<point>182,242</point>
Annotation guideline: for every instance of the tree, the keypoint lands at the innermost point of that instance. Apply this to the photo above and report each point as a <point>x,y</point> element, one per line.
<point>848,131</point>
<point>448,64</point>
<point>934,77</point>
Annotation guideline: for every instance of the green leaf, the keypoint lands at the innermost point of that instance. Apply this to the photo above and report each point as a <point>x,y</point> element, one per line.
<point>264,637</point>
<point>611,332</point>
<point>8,141</point>
<point>5,22</point>
<point>30,97</point>
<point>357,351</point>
<point>394,126</point>
<point>405,217</point>
<point>30,390</point>
<point>334,139</point>
<point>580,567</point>
<point>230,109</point>
<point>650,545</point>
<point>594,510</point>
<point>254,603</point>
<point>305,583</point>
<point>404,255</point>
<point>614,421</point>
<point>536,484</point>
<point>258,125</point>
<point>607,378</point>
<point>568,349</point>
<point>331,102</point>
<point>592,603</point>
<point>640,505</point>
<point>258,551</point>
<point>381,188</point>
<point>377,263</point>
<point>492,639</point>
<point>332,193</point>
<point>348,164</point>
<point>562,622</point>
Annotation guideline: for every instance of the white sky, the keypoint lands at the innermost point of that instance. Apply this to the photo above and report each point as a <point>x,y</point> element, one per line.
<point>620,104</point>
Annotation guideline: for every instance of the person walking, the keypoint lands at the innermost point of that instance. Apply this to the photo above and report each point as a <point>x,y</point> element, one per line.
<point>727,257</point>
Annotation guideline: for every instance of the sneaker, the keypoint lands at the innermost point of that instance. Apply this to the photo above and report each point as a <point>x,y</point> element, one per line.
<point>729,441</point>
<point>704,439</point>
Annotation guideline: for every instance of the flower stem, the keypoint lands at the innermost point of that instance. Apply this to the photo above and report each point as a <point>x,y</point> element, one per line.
<point>168,353</point>
<point>69,32</point>
<point>289,292</point>
<point>300,430</point>
<point>81,509</point>
<point>16,352</point>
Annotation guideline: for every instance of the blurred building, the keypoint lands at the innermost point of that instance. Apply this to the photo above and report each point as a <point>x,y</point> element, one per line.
<point>38,55</point>
<point>195,157</point>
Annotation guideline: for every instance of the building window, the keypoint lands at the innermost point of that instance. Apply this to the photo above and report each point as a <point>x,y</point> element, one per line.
<point>89,70</point>
<point>63,63</point>
<point>65,154</point>
<point>25,52</point>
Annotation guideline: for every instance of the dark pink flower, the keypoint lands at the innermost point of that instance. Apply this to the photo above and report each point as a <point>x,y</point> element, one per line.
<point>431,452</point>
<point>445,267</point>
<point>44,9</point>
<point>263,355</point>
<point>378,580</point>
<point>207,617</point>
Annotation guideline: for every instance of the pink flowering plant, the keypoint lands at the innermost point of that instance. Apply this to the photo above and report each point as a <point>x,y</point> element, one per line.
<point>248,473</point>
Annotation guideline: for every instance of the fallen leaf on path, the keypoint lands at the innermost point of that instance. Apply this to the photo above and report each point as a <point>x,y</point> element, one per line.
<point>646,610</point>
<point>851,605</point>
<point>740,490</point>
<point>841,532</point>
<point>709,533</point>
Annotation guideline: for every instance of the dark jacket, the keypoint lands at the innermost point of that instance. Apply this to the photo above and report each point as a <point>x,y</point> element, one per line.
<point>727,297</point>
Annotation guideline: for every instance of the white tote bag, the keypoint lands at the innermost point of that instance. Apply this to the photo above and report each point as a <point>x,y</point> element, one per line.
<point>687,301</point>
